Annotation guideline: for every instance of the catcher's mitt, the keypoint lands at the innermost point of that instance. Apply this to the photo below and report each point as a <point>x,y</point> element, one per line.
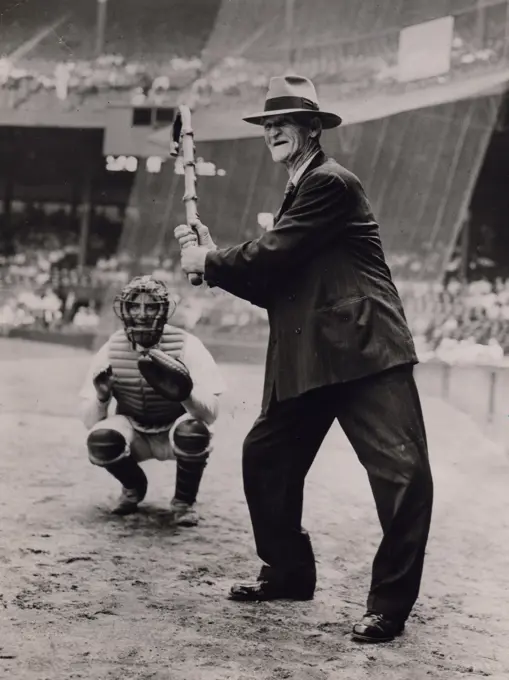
<point>167,376</point>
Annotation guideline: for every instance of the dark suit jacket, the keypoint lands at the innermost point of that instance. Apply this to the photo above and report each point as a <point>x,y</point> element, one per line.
<point>334,312</point>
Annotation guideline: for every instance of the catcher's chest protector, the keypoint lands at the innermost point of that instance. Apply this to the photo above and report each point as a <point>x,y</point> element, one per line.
<point>135,398</point>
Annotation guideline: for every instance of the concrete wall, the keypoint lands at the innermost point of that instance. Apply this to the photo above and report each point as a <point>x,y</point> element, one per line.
<point>480,391</point>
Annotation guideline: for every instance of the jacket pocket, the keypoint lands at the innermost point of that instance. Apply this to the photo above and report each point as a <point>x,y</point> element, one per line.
<point>346,322</point>
<point>341,305</point>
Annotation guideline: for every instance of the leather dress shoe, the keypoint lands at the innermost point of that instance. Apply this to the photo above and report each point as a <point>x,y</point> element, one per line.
<point>262,591</point>
<point>376,627</point>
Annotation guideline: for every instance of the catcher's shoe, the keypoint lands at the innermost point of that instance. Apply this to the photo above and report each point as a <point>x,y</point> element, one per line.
<point>183,514</point>
<point>128,502</point>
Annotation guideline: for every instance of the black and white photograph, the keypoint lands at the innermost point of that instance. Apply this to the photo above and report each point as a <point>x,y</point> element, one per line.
<point>254,339</point>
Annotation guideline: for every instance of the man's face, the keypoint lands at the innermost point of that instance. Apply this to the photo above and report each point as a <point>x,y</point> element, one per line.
<point>285,137</point>
<point>143,310</point>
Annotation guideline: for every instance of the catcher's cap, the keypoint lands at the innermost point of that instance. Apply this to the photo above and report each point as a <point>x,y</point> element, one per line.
<point>293,94</point>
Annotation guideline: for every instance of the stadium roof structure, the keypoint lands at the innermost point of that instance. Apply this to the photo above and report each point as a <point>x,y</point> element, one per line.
<point>418,150</point>
<point>418,155</point>
<point>222,124</point>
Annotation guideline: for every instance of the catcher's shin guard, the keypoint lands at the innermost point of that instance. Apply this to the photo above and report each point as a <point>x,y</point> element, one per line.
<point>190,440</point>
<point>108,449</point>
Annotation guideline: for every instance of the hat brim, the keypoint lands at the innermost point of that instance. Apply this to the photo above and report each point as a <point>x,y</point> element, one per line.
<point>329,120</point>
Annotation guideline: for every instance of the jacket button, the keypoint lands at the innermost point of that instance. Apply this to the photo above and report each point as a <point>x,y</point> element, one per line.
<point>298,330</point>
<point>291,297</point>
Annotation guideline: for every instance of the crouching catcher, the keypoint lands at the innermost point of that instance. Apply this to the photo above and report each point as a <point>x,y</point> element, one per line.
<point>151,392</point>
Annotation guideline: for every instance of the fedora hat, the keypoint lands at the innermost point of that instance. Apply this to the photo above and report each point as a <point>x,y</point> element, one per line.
<point>292,94</point>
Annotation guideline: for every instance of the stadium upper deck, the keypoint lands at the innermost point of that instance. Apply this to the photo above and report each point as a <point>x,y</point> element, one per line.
<point>351,50</point>
<point>49,59</point>
<point>151,29</point>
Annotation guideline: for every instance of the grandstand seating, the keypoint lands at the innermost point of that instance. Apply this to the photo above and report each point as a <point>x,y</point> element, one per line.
<point>234,42</point>
<point>41,284</point>
<point>142,42</point>
<point>450,322</point>
<point>235,47</point>
<point>152,29</point>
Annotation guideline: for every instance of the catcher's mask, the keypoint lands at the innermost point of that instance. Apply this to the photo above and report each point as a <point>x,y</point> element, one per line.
<point>144,306</point>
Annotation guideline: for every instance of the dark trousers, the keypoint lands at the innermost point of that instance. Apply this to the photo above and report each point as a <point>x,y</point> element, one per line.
<point>382,418</point>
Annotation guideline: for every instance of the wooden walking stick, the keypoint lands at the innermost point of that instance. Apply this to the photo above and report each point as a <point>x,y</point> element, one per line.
<point>183,136</point>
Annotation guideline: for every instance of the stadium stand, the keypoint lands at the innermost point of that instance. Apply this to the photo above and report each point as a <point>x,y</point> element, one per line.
<point>451,322</point>
<point>231,42</point>
<point>220,52</point>
<point>147,46</point>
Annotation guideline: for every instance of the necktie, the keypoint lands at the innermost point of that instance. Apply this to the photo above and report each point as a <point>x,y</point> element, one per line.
<point>289,189</point>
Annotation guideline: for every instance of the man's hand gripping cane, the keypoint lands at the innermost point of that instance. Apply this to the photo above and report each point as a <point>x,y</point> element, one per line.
<point>195,242</point>
<point>193,237</point>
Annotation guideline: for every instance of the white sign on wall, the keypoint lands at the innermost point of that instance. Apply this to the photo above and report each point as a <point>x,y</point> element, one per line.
<point>153,164</point>
<point>425,49</point>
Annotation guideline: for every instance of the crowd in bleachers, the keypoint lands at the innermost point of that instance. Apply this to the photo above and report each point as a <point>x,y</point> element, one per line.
<point>73,82</point>
<point>148,49</point>
<point>136,70</point>
<point>34,293</point>
<point>459,323</point>
<point>93,83</point>
<point>450,322</point>
<point>41,284</point>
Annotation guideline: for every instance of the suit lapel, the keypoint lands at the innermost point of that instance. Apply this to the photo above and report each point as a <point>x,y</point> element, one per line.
<point>287,201</point>
<point>290,197</point>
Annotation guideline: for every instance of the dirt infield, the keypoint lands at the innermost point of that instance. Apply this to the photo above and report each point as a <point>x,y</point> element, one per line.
<point>86,595</point>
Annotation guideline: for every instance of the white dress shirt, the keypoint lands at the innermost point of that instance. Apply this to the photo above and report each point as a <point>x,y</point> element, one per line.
<point>297,176</point>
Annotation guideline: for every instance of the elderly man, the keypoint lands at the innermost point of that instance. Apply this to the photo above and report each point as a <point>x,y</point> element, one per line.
<point>339,348</point>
